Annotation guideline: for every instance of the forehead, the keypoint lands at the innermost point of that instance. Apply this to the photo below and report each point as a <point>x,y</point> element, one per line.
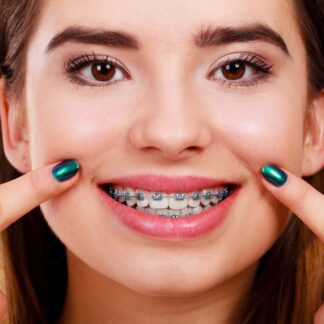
<point>174,20</point>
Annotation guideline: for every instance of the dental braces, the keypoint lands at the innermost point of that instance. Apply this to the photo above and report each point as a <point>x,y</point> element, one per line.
<point>172,214</point>
<point>158,196</point>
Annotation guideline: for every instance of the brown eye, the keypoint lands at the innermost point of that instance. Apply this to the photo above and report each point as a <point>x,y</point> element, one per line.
<point>233,71</point>
<point>103,71</point>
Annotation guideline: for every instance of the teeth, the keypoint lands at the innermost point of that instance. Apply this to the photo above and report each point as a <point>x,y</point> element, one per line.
<point>206,199</point>
<point>179,201</point>
<point>192,202</point>
<point>186,212</point>
<point>130,201</point>
<point>120,193</point>
<point>162,212</point>
<point>156,201</point>
<point>151,211</point>
<point>222,193</point>
<point>173,205</point>
<point>142,200</point>
<point>174,213</point>
<point>197,210</point>
<point>215,198</point>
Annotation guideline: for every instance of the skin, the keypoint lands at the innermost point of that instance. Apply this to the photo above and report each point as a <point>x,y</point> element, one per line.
<point>169,119</point>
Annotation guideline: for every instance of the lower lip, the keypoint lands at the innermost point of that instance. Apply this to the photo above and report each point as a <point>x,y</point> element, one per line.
<point>160,227</point>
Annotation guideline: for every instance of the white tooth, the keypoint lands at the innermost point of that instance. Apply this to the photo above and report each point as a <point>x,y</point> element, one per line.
<point>173,212</point>
<point>192,202</point>
<point>144,202</point>
<point>197,210</point>
<point>121,198</point>
<point>205,201</point>
<point>151,211</point>
<point>158,204</point>
<point>178,204</point>
<point>218,193</point>
<point>162,212</point>
<point>215,199</point>
<point>186,211</point>
<point>131,202</point>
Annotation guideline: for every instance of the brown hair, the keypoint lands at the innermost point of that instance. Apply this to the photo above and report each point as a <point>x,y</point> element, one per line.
<point>288,287</point>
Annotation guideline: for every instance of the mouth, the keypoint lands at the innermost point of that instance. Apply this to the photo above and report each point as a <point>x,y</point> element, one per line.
<point>171,205</point>
<point>169,208</point>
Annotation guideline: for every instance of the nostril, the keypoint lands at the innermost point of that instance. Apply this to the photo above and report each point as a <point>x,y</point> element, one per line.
<point>173,149</point>
<point>193,148</point>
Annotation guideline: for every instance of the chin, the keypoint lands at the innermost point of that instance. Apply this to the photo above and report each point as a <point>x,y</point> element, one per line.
<point>166,289</point>
<point>168,283</point>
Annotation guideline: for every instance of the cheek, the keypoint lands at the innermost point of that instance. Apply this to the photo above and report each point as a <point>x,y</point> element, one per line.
<point>265,128</point>
<point>67,126</point>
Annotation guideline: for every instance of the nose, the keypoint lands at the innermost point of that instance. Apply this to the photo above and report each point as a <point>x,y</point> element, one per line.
<point>171,123</point>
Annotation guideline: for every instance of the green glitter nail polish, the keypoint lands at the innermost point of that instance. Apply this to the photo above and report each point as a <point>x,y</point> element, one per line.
<point>65,170</point>
<point>274,175</point>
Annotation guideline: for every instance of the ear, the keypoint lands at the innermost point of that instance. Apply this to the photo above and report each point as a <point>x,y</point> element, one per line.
<point>314,139</point>
<point>14,131</point>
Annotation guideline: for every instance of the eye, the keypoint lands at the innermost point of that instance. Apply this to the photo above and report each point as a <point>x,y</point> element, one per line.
<point>102,72</point>
<point>233,71</point>
<point>91,70</point>
<point>246,70</point>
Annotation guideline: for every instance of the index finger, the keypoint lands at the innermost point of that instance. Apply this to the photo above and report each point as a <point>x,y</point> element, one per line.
<point>298,195</point>
<point>19,196</point>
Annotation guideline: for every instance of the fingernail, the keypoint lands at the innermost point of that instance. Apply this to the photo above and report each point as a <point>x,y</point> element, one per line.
<point>274,175</point>
<point>65,170</point>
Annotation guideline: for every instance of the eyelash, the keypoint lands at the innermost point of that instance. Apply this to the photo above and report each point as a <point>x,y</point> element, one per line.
<point>75,65</point>
<point>262,70</point>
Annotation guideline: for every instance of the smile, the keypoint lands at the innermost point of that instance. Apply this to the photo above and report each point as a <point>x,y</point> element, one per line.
<point>169,208</point>
<point>171,205</point>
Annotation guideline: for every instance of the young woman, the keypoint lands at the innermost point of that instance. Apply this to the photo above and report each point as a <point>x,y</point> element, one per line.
<point>183,132</point>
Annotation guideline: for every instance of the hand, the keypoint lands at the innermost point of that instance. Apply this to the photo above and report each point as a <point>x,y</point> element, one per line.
<point>303,200</point>
<point>23,194</point>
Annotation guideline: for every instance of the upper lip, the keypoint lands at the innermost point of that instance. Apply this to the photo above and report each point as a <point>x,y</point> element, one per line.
<point>168,184</point>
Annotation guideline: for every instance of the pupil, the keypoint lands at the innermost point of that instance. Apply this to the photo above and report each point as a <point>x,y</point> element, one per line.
<point>233,71</point>
<point>233,68</point>
<point>103,71</point>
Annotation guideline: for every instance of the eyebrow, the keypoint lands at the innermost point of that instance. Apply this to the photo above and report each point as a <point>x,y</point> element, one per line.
<point>210,36</point>
<point>207,37</point>
<point>94,36</point>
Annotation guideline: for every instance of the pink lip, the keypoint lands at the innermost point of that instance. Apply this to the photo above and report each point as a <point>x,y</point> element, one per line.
<point>166,228</point>
<point>166,184</point>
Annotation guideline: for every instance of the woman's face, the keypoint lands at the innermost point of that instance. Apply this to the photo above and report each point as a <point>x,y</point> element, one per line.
<point>182,105</point>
